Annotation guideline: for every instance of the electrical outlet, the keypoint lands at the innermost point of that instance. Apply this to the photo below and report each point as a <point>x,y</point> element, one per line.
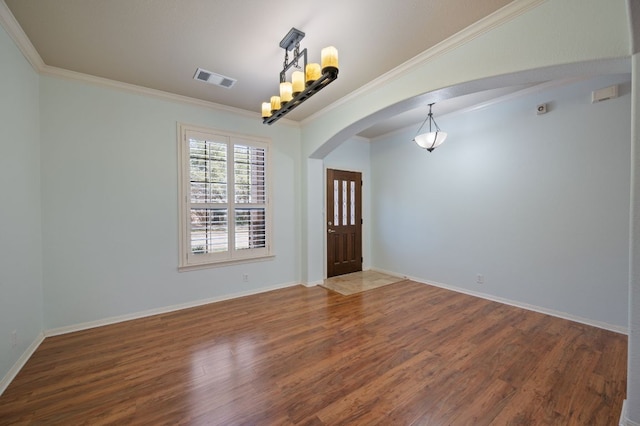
<point>480,279</point>
<point>14,338</point>
<point>245,278</point>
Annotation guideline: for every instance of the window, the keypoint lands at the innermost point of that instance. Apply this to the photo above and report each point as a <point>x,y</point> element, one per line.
<point>224,197</point>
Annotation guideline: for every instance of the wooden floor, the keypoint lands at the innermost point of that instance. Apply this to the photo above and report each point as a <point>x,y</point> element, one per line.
<point>402,354</point>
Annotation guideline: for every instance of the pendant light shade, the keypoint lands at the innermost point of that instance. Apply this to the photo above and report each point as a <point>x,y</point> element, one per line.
<point>433,138</point>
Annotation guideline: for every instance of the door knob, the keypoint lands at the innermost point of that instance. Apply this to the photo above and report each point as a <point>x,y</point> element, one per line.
<point>331,231</point>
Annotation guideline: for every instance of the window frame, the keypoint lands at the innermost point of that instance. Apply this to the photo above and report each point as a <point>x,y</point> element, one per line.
<point>187,259</point>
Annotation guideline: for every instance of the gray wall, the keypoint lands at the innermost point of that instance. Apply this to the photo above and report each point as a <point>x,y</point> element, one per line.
<point>20,230</point>
<point>539,205</point>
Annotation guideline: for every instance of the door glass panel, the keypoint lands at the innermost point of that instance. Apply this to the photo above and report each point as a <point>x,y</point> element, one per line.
<point>353,203</point>
<point>336,205</point>
<point>344,203</point>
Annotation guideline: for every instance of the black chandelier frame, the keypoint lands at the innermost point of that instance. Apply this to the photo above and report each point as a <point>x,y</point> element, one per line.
<point>292,42</point>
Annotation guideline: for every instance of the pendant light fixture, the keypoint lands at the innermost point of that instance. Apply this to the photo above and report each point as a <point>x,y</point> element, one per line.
<point>306,81</point>
<point>432,139</point>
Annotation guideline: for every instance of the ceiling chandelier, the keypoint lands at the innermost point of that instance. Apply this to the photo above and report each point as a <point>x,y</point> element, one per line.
<point>303,85</point>
<point>432,139</point>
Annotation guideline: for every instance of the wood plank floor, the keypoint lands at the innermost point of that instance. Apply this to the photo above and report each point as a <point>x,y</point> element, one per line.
<point>402,354</point>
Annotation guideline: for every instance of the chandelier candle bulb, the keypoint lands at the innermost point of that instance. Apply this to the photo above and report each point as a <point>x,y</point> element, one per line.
<point>297,82</point>
<point>329,58</point>
<point>266,109</point>
<point>285,92</point>
<point>275,103</point>
<point>313,73</point>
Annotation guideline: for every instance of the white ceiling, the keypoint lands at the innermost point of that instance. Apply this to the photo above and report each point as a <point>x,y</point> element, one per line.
<point>159,44</point>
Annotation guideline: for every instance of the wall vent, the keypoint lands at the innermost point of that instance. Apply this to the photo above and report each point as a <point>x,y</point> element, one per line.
<point>213,78</point>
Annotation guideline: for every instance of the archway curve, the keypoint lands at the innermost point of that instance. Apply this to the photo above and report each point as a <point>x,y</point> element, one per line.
<point>540,75</point>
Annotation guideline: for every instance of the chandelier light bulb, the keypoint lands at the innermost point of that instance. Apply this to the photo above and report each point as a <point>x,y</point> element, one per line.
<point>266,109</point>
<point>313,73</point>
<point>297,82</point>
<point>286,92</point>
<point>275,103</point>
<point>329,58</point>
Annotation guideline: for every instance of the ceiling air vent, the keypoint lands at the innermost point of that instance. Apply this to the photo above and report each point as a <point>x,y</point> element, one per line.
<point>215,79</point>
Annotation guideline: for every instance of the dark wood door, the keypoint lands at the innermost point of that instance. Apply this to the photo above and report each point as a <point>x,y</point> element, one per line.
<point>344,222</point>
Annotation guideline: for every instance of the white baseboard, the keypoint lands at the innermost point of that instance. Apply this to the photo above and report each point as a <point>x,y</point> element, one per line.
<point>624,421</point>
<point>13,372</point>
<point>6,380</point>
<point>552,312</point>
<point>313,283</point>
<point>166,309</point>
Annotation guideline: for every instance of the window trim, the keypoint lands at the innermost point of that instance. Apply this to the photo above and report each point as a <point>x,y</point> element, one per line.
<point>232,256</point>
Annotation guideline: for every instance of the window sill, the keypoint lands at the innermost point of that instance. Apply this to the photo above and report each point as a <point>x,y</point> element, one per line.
<point>186,268</point>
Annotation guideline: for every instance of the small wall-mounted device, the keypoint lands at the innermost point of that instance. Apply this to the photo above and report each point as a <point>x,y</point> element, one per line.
<point>604,94</point>
<point>541,109</point>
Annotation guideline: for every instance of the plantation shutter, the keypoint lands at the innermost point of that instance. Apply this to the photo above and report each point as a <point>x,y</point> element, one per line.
<point>250,196</point>
<point>226,198</point>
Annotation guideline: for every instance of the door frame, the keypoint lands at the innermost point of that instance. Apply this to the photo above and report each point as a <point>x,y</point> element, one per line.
<point>325,216</point>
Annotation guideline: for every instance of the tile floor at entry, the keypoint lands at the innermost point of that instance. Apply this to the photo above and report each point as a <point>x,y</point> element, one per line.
<point>357,282</point>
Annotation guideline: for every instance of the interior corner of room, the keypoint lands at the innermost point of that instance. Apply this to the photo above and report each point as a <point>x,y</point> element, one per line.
<point>532,201</point>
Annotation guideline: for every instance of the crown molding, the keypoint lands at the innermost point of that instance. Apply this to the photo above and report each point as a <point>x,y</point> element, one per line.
<point>484,25</point>
<point>501,16</point>
<point>505,14</point>
<point>13,28</point>
<point>132,88</point>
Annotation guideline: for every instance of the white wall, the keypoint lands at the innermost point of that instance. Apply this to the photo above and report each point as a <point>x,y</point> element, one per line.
<point>313,267</point>
<point>633,359</point>
<point>20,230</point>
<point>110,212</point>
<point>354,155</point>
<point>539,205</point>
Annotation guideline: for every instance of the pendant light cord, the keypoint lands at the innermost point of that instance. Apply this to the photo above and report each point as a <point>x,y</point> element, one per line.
<point>430,118</point>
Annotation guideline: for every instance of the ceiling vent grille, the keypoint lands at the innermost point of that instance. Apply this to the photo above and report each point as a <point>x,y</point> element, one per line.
<point>213,78</point>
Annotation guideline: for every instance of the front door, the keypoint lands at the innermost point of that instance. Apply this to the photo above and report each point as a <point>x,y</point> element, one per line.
<point>344,222</point>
